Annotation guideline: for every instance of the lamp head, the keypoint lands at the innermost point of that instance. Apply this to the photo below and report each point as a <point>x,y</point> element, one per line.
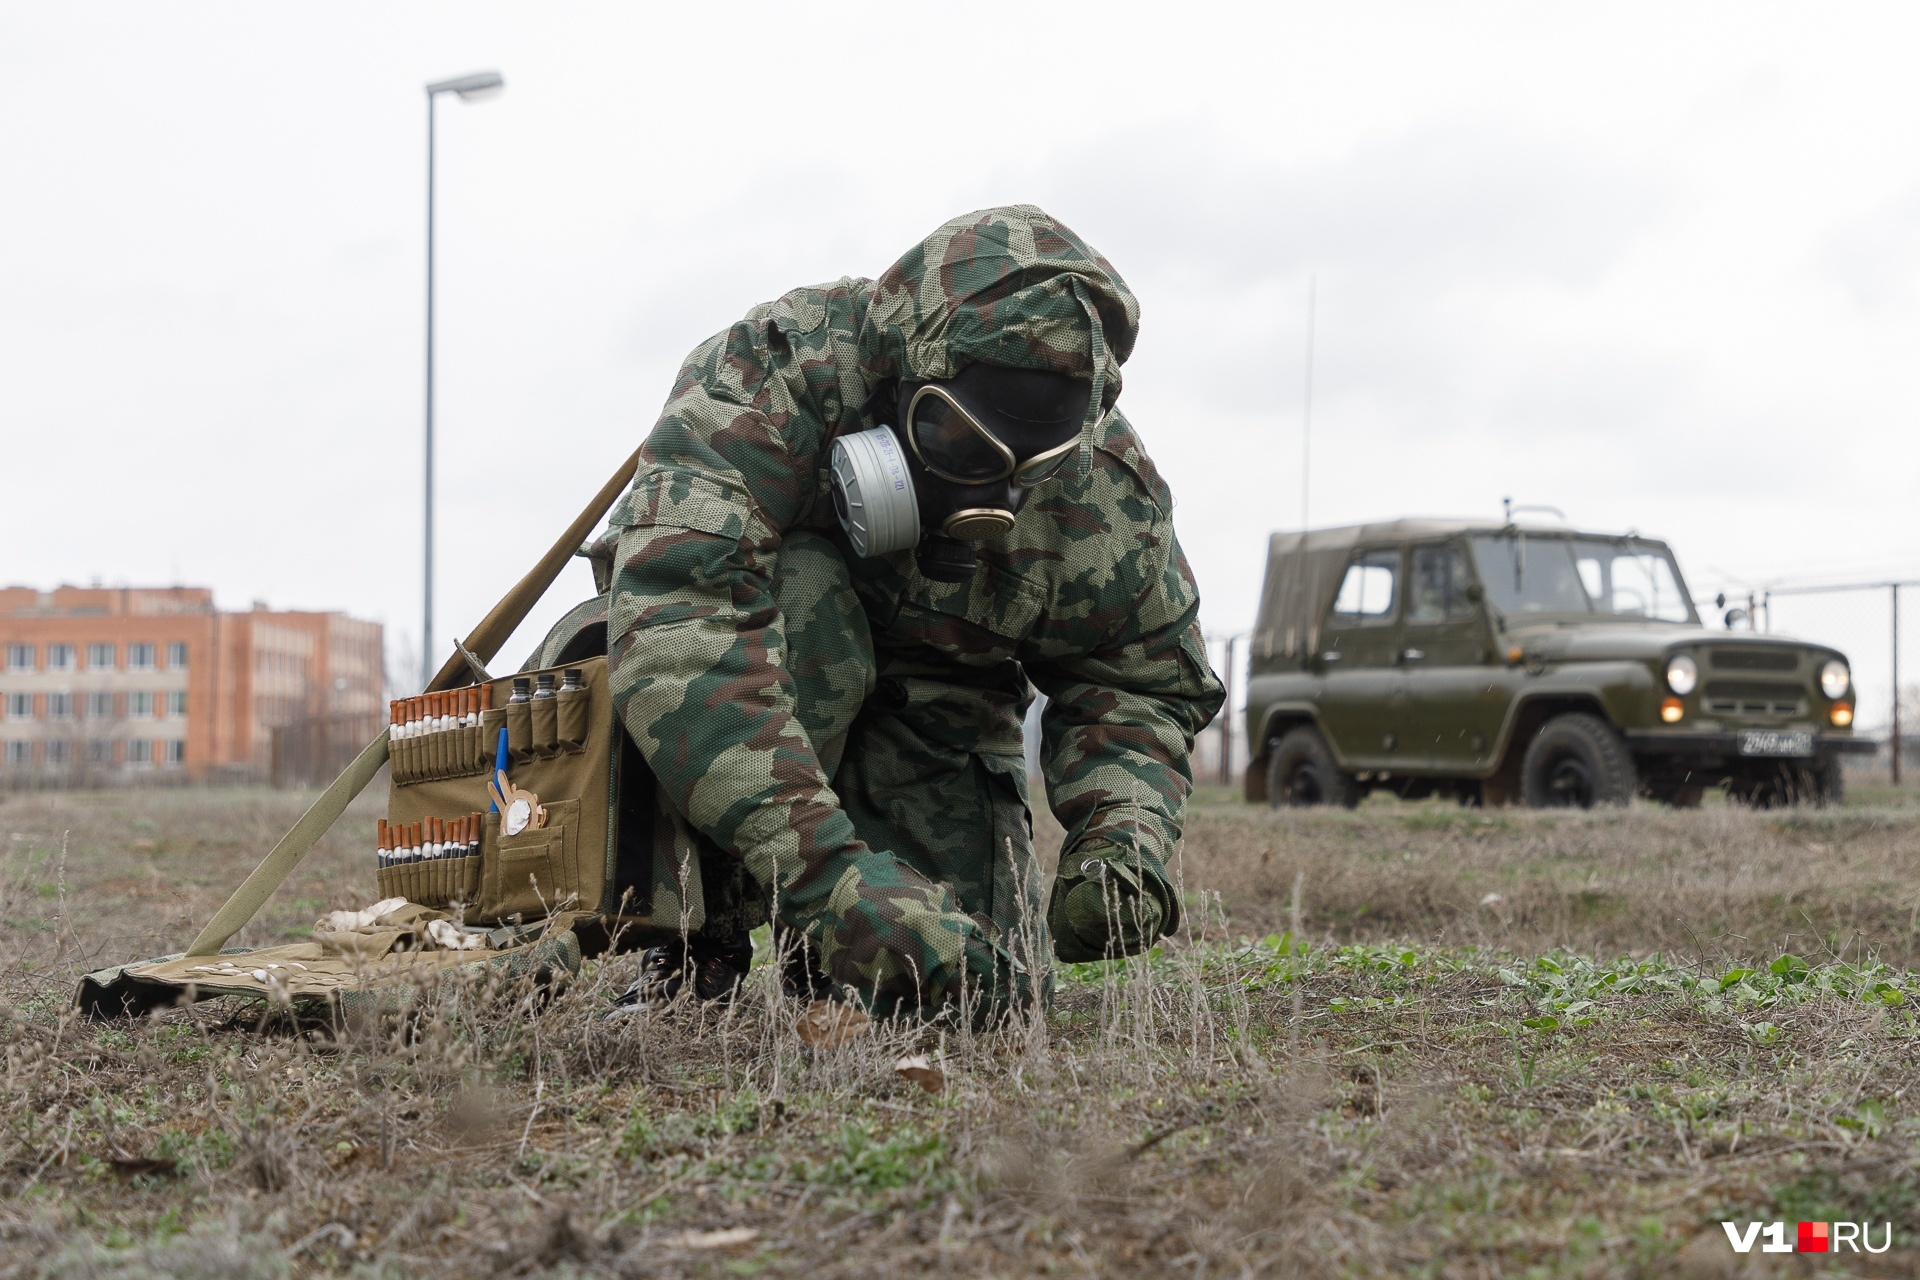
<point>477,87</point>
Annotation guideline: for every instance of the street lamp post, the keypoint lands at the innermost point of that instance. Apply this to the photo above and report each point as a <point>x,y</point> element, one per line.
<point>477,87</point>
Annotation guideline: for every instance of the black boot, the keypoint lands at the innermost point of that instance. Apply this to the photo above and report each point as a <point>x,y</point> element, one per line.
<point>718,967</point>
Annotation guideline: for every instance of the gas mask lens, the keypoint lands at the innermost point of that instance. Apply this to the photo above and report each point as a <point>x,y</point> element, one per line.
<point>953,445</point>
<point>1038,469</point>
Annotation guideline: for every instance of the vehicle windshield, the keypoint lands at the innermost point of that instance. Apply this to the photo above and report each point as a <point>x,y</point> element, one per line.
<point>1551,573</point>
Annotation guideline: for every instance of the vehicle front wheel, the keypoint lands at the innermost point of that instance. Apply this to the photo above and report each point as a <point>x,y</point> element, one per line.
<point>1576,761</point>
<point>1301,772</point>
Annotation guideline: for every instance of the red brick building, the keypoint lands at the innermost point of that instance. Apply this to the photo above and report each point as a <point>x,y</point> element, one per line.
<point>117,683</point>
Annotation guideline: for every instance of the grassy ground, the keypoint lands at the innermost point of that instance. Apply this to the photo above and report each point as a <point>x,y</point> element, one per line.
<point>1409,1039</point>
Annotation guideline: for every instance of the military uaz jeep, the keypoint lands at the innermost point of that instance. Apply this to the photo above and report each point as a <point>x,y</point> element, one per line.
<point>1504,664</point>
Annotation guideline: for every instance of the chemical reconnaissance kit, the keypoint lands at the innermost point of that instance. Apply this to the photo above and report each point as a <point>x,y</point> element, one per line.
<point>523,831</point>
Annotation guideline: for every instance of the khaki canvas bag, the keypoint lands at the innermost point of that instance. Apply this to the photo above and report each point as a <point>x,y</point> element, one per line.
<point>595,875</point>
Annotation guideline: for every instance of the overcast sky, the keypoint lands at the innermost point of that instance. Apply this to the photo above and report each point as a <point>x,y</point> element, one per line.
<point>1654,265</point>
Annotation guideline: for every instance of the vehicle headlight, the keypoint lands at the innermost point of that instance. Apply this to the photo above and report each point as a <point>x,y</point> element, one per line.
<point>1835,679</point>
<point>1683,674</point>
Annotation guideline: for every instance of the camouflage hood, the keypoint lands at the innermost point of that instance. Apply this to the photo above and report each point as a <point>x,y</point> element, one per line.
<point>1012,287</point>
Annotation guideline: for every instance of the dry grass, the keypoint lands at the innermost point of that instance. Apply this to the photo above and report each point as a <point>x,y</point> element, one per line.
<point>1413,1082</point>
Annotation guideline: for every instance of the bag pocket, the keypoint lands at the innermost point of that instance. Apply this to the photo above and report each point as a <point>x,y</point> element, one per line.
<point>437,754</point>
<point>435,882</point>
<point>530,875</point>
<point>546,727</point>
<point>492,721</point>
<point>520,731</point>
<point>466,752</point>
<point>403,756</point>
<point>575,719</point>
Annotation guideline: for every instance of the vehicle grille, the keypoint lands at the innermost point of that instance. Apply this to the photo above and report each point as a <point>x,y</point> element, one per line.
<point>1752,698</point>
<point>1754,659</point>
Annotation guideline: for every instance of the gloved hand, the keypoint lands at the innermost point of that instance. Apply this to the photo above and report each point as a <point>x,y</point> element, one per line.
<point>905,947</point>
<point>1102,906</point>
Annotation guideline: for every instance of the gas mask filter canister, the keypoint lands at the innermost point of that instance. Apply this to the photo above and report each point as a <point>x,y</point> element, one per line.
<point>873,492</point>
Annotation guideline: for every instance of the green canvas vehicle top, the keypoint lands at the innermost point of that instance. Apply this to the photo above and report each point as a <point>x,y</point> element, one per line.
<point>1516,664</point>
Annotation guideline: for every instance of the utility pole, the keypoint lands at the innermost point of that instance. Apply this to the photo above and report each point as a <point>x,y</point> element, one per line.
<point>477,87</point>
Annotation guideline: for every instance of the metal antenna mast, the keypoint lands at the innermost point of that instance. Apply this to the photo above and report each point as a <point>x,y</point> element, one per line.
<point>1306,414</point>
<point>1310,637</point>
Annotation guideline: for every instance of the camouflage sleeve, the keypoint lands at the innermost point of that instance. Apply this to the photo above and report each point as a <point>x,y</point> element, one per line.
<point>700,679</point>
<point>1120,722</point>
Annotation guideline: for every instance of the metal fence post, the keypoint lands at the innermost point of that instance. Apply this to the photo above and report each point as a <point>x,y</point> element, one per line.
<point>1226,718</point>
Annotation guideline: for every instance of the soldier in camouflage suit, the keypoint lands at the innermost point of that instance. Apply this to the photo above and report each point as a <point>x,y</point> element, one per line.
<point>845,731</point>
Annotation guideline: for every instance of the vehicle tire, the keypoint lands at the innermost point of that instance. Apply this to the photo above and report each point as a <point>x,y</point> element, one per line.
<point>1576,761</point>
<point>1302,773</point>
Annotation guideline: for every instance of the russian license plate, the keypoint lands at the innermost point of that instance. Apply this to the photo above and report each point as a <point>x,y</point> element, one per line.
<point>1776,742</point>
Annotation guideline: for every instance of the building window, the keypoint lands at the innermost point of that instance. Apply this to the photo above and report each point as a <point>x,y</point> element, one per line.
<point>139,657</point>
<point>59,657</point>
<point>19,657</point>
<point>177,751</point>
<point>100,657</point>
<point>99,753</point>
<point>100,706</point>
<point>139,751</point>
<point>177,656</point>
<point>19,706</point>
<point>57,753</point>
<point>139,705</point>
<point>19,754</point>
<point>59,706</point>
<point>177,702</point>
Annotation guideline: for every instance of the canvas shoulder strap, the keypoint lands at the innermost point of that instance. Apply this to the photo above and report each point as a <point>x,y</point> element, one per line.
<point>485,641</point>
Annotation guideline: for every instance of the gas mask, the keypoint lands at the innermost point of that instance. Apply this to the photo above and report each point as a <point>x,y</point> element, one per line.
<point>952,462</point>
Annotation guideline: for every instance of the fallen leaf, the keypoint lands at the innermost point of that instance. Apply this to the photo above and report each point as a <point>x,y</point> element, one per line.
<point>727,1238</point>
<point>920,1069</point>
<point>828,1024</point>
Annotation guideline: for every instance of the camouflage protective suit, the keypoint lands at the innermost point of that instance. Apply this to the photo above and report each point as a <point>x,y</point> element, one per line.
<point>847,733</point>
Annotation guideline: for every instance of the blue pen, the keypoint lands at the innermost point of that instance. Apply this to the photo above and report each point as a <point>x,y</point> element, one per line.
<point>499,765</point>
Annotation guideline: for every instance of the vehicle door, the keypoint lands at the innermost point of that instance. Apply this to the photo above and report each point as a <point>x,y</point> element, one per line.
<point>1454,701</point>
<point>1362,695</point>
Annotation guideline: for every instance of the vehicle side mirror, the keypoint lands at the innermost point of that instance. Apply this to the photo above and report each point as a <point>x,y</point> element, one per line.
<point>1734,618</point>
<point>1474,593</point>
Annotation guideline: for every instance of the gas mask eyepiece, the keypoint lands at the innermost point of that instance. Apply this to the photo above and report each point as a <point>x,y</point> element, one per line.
<point>974,446</point>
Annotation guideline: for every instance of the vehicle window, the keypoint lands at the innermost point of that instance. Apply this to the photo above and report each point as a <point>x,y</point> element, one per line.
<point>1634,579</point>
<point>1529,573</point>
<point>1437,587</point>
<point>1370,590</point>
